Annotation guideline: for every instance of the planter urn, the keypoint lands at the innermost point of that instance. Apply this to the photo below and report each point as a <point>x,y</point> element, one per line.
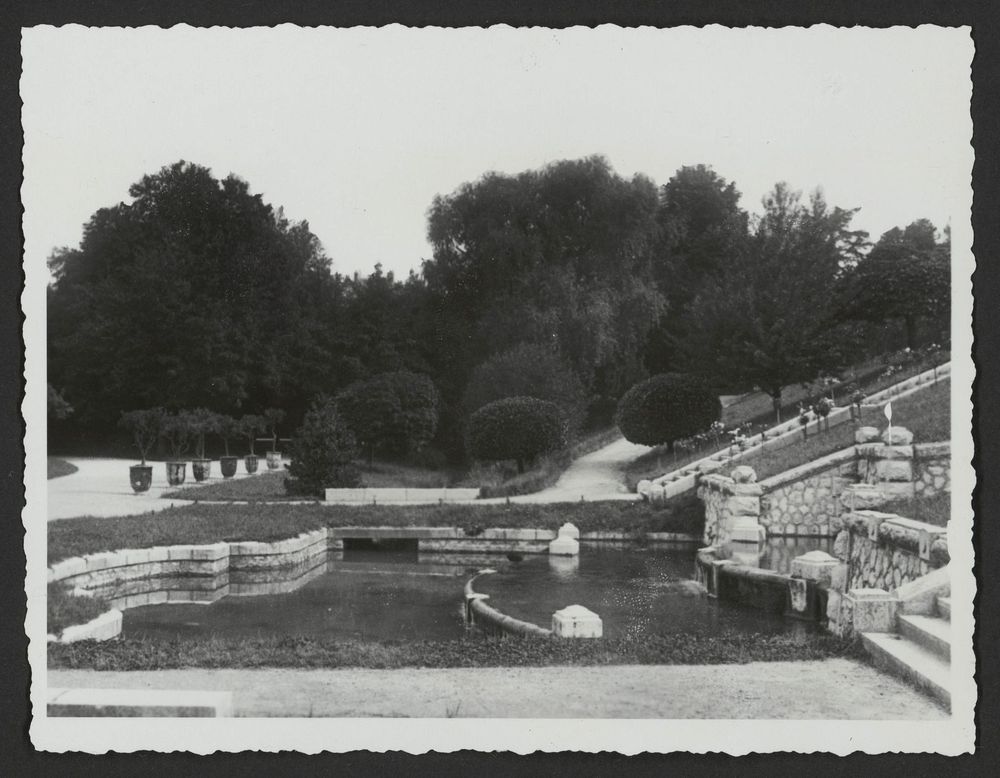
<point>176,472</point>
<point>201,469</point>
<point>228,466</point>
<point>273,460</point>
<point>250,462</point>
<point>141,477</point>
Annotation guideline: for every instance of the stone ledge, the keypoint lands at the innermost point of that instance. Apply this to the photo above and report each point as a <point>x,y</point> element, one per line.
<point>930,450</point>
<point>106,626</point>
<point>138,703</point>
<point>801,472</point>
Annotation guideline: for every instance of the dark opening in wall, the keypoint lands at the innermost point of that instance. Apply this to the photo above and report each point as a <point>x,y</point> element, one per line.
<point>386,549</point>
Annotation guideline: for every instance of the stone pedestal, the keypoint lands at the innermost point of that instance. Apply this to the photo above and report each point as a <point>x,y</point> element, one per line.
<point>575,621</point>
<point>745,529</point>
<point>815,566</point>
<point>866,435</point>
<point>872,610</point>
<point>569,530</point>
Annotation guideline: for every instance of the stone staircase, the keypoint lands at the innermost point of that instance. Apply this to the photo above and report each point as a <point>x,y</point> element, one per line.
<point>919,651</point>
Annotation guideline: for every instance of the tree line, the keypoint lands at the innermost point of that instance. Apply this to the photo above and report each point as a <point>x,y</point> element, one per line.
<point>569,284</point>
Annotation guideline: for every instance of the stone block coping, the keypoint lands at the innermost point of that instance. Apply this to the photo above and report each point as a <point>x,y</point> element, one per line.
<point>386,495</point>
<point>801,472</point>
<point>138,703</point>
<point>106,626</point>
<point>928,450</point>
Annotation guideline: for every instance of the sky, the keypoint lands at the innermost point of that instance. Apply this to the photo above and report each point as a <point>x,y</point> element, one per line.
<point>357,130</point>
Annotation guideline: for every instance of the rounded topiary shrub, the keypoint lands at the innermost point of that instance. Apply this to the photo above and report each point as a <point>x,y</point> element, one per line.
<point>665,408</point>
<point>518,428</point>
<point>323,453</point>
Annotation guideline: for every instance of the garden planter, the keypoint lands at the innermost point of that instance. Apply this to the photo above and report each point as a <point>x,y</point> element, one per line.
<point>273,460</point>
<point>250,462</point>
<point>228,466</point>
<point>201,469</point>
<point>176,472</point>
<point>141,477</point>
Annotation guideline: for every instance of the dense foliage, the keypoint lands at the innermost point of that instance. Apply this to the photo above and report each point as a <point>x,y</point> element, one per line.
<point>527,370</point>
<point>665,408</point>
<point>323,452</point>
<point>518,428</point>
<point>391,413</point>
<point>568,283</point>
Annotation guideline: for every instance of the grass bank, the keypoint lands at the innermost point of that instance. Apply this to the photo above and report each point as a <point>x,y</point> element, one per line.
<point>200,523</point>
<point>302,652</point>
<point>934,510</point>
<point>59,467</point>
<point>66,609</point>
<point>926,413</point>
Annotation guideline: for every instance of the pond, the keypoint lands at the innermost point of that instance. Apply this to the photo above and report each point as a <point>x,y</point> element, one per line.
<point>410,595</point>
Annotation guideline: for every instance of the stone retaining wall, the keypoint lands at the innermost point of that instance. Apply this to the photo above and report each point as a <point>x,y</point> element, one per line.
<point>885,551</point>
<point>931,469</point>
<point>725,502</point>
<point>395,495</point>
<point>806,500</point>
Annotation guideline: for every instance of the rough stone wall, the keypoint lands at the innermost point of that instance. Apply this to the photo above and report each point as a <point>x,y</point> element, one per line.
<point>809,505</point>
<point>893,557</point>
<point>725,502</point>
<point>931,469</point>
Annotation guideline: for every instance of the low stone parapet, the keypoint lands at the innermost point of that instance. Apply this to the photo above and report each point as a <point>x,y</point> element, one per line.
<point>393,496</point>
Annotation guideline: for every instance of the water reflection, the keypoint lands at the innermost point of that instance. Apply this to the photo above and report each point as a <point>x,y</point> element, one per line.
<point>363,593</point>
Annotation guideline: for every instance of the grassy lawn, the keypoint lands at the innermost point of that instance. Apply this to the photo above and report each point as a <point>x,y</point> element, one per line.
<point>200,523</point>
<point>66,609</point>
<point>59,467</point>
<point>300,652</point>
<point>934,510</point>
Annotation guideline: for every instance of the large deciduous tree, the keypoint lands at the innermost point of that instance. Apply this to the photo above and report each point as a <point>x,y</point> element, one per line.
<point>196,292</point>
<point>559,255</point>
<point>907,276</point>
<point>767,319</point>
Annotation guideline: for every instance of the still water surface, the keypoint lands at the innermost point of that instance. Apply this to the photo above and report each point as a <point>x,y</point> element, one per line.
<point>416,596</point>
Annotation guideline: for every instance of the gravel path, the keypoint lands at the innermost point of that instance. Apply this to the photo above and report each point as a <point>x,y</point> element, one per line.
<point>599,475</point>
<point>100,487</point>
<point>829,689</point>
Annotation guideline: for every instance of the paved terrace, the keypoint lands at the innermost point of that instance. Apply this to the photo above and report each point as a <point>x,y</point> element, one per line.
<point>830,689</point>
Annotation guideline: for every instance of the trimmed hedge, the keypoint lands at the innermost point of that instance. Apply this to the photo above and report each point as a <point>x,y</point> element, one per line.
<point>665,408</point>
<point>518,428</point>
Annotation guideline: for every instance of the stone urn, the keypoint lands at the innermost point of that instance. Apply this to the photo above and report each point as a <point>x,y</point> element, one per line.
<point>201,469</point>
<point>250,462</point>
<point>176,473</point>
<point>273,460</point>
<point>228,466</point>
<point>141,477</point>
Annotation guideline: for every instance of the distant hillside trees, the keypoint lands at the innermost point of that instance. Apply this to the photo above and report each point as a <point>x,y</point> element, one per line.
<point>906,277</point>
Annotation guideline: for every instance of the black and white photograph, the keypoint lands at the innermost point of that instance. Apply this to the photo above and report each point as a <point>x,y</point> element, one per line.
<point>531,389</point>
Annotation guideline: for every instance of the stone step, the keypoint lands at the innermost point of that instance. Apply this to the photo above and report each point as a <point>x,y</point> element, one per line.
<point>944,607</point>
<point>924,669</point>
<point>931,632</point>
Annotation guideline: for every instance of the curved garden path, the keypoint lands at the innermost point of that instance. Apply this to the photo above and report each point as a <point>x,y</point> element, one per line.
<point>100,487</point>
<point>599,475</point>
